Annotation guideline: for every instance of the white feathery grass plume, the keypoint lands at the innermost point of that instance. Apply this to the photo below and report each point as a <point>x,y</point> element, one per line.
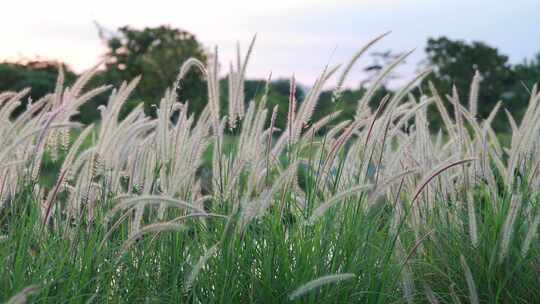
<point>292,107</point>
<point>232,115</point>
<point>58,88</point>
<point>6,112</point>
<point>70,157</point>
<point>473,230</point>
<point>508,227</point>
<point>307,107</point>
<point>513,124</point>
<point>339,87</point>
<point>80,173</point>
<point>163,130</point>
<point>319,212</point>
<point>434,173</point>
<point>22,296</point>
<point>6,95</point>
<point>321,123</point>
<point>112,110</point>
<point>532,106</point>
<point>37,161</point>
<point>145,200</point>
<point>533,176</point>
<point>266,197</point>
<point>523,136</point>
<point>397,218</point>
<point>199,266</point>
<point>334,131</point>
<point>422,136</point>
<point>68,162</point>
<point>473,294</point>
<point>319,282</point>
<point>499,163</point>
<point>271,130</point>
<point>488,143</point>
<point>214,92</point>
<point>112,134</point>
<point>336,145</point>
<point>187,66</point>
<point>406,89</point>
<point>454,99</point>
<point>487,122</point>
<point>377,83</point>
<point>13,163</point>
<point>214,73</point>
<point>82,99</point>
<point>217,157</point>
<point>531,235</point>
<point>33,113</point>
<point>152,228</point>
<point>473,123</point>
<point>304,113</point>
<point>407,278</point>
<point>81,82</point>
<point>351,166</point>
<point>25,138</point>
<point>56,99</point>
<point>385,184</point>
<point>473,95</point>
<point>131,136</point>
<point>13,97</point>
<point>402,121</point>
<point>448,123</point>
<point>236,84</point>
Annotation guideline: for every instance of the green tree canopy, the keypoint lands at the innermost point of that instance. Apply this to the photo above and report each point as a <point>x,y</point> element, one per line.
<point>455,62</point>
<point>37,74</point>
<point>156,53</point>
<point>528,72</point>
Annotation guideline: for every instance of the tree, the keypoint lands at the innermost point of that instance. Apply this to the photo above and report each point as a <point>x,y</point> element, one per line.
<point>528,73</point>
<point>37,74</point>
<point>156,54</point>
<point>455,62</point>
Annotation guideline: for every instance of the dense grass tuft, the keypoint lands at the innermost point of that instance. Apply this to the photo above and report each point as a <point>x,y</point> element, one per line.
<point>225,208</point>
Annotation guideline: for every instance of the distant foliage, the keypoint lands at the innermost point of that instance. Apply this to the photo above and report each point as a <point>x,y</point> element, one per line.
<point>455,62</point>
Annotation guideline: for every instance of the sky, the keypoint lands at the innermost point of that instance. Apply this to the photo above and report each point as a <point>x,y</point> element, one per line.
<point>293,36</point>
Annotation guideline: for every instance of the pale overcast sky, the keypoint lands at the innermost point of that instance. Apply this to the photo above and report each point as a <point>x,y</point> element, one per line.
<point>294,36</point>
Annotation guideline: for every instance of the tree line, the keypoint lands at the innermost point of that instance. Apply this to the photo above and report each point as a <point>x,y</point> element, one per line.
<point>157,53</point>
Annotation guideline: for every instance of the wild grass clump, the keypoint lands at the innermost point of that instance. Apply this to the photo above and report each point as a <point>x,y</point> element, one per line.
<point>377,209</point>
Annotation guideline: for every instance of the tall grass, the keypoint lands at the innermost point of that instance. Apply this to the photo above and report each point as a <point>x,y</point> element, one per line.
<point>375,210</point>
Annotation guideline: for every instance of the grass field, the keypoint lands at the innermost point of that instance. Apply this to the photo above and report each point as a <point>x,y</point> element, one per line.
<point>227,209</point>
